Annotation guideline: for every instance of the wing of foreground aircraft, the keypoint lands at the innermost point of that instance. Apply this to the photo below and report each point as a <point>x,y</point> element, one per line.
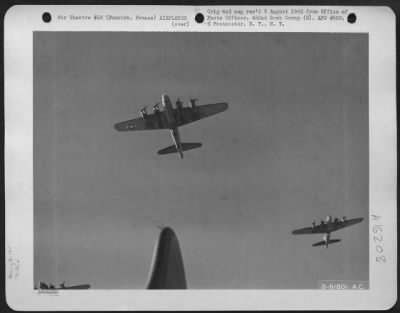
<point>167,270</point>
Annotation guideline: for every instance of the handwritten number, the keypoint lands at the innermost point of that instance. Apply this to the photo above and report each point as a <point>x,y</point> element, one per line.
<point>375,217</point>
<point>378,238</point>
<point>381,259</point>
<point>377,228</point>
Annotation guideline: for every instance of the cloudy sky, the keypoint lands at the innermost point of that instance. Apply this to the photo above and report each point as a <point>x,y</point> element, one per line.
<point>291,148</point>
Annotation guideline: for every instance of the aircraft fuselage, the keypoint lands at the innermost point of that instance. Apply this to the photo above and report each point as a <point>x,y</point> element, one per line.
<point>169,113</point>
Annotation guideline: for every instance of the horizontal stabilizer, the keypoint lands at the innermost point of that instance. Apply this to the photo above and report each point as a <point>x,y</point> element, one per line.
<point>185,147</point>
<point>323,243</point>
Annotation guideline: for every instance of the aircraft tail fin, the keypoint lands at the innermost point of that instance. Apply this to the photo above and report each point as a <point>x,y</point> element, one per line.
<point>167,270</point>
<point>185,147</point>
<point>323,243</point>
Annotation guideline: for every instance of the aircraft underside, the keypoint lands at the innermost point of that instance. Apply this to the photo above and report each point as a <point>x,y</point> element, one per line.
<point>178,146</point>
<point>171,118</point>
<point>326,241</point>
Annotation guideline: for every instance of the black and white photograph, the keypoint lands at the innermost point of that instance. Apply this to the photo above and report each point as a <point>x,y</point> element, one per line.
<point>201,160</point>
<point>288,148</point>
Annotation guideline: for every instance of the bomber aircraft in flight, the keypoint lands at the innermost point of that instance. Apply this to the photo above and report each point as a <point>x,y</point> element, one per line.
<point>326,227</point>
<point>171,118</point>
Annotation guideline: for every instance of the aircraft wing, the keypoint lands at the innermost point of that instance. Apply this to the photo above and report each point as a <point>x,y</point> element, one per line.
<point>188,115</point>
<point>350,222</point>
<point>318,229</point>
<point>150,122</point>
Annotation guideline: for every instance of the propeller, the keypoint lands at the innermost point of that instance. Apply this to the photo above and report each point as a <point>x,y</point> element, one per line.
<point>143,112</point>
<point>328,218</point>
<point>179,103</point>
<point>192,103</point>
<point>156,107</point>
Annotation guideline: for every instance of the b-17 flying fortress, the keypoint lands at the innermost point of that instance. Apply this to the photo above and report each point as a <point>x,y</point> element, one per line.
<point>326,228</point>
<point>172,118</point>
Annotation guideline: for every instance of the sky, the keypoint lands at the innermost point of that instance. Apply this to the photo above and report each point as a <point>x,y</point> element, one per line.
<point>291,148</point>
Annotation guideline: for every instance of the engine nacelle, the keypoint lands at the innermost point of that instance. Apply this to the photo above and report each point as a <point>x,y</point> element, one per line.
<point>329,219</point>
<point>156,108</point>
<point>193,103</point>
<point>179,104</point>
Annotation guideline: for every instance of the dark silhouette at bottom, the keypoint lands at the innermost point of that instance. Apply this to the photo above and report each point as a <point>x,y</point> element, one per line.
<point>167,270</point>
